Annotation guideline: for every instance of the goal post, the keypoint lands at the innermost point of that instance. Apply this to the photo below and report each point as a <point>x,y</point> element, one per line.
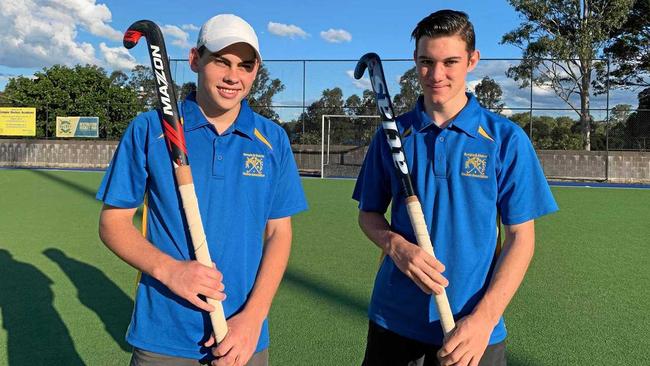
<point>351,142</point>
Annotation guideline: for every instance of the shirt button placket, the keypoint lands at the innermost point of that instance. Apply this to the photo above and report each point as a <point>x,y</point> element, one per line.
<point>218,167</point>
<point>440,164</point>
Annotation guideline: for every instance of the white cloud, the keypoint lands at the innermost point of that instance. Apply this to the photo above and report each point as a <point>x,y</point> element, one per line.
<point>507,112</point>
<point>189,27</point>
<point>38,33</point>
<point>286,30</point>
<point>363,83</point>
<point>471,85</point>
<point>336,35</point>
<point>179,37</point>
<point>117,58</point>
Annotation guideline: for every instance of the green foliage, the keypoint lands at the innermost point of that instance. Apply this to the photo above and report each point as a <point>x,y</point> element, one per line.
<point>629,50</point>
<point>489,93</point>
<point>143,82</point>
<point>262,92</point>
<point>79,91</point>
<point>638,124</point>
<point>186,89</point>
<point>349,130</point>
<point>560,40</point>
<point>410,90</point>
<point>550,133</point>
<point>330,102</point>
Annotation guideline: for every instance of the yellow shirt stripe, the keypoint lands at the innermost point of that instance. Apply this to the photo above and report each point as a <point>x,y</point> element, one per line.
<point>482,132</point>
<point>259,135</point>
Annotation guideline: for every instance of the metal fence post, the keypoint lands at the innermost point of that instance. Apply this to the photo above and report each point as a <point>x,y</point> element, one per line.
<point>607,125</point>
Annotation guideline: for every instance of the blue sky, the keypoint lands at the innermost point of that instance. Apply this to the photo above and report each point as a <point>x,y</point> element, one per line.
<point>40,33</point>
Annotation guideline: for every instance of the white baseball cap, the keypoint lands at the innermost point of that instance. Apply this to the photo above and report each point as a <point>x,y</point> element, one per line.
<point>224,30</point>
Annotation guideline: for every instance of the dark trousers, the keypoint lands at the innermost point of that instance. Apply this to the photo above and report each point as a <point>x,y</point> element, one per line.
<point>386,348</point>
<point>145,358</point>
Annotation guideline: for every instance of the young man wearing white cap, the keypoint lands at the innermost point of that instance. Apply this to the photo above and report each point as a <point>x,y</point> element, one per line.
<point>248,187</point>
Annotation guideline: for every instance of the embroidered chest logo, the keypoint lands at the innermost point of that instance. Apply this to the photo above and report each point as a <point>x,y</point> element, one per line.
<point>254,165</point>
<point>474,165</point>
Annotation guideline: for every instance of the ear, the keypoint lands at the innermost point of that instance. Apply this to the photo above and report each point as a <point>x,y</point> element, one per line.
<point>194,59</point>
<point>474,57</point>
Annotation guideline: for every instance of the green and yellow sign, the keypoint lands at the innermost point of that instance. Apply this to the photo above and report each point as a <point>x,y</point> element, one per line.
<point>15,121</point>
<point>77,126</point>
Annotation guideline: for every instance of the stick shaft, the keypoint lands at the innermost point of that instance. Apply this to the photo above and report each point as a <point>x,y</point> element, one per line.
<point>372,62</point>
<point>416,216</point>
<point>199,242</point>
<point>172,125</point>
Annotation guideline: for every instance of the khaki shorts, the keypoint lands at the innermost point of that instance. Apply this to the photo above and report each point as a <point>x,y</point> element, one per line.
<point>146,358</point>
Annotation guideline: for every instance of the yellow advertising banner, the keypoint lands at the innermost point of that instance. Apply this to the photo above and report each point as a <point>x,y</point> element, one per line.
<point>77,126</point>
<point>17,121</point>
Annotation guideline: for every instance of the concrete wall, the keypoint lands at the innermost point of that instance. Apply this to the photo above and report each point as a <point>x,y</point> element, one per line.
<point>56,153</point>
<point>615,166</point>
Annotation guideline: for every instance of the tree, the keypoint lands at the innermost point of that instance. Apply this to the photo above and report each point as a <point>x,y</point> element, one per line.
<point>79,91</point>
<point>629,51</point>
<point>551,133</point>
<point>186,89</point>
<point>410,90</point>
<point>143,82</point>
<point>488,92</point>
<point>262,92</point>
<point>119,78</point>
<point>330,102</point>
<point>560,40</point>
<point>638,124</point>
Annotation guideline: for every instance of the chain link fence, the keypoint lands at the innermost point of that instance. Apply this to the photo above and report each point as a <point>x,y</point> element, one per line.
<point>320,101</point>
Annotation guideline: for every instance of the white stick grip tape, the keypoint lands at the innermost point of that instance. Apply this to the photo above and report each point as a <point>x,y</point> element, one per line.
<point>424,241</point>
<point>199,242</point>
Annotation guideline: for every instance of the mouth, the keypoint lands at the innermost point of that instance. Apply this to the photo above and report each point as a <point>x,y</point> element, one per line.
<point>227,92</point>
<point>437,88</point>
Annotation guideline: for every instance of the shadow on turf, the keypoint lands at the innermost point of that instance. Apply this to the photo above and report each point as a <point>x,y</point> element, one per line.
<point>36,334</point>
<point>68,183</point>
<point>320,289</point>
<point>98,293</point>
<point>75,186</point>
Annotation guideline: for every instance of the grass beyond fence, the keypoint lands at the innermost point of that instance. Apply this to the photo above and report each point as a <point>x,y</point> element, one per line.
<point>66,300</point>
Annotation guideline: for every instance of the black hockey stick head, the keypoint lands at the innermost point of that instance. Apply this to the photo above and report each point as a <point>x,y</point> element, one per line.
<point>366,61</point>
<point>372,62</point>
<point>171,121</point>
<point>141,28</point>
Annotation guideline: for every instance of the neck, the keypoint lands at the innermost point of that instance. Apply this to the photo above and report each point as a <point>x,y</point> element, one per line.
<point>443,114</point>
<point>221,119</point>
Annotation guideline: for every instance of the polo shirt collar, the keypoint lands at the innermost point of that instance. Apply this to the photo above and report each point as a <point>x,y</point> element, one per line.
<point>466,120</point>
<point>193,118</point>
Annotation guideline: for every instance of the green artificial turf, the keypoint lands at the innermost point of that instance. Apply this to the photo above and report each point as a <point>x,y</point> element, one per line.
<point>66,300</point>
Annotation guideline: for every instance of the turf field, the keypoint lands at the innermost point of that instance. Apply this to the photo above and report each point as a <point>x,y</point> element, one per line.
<point>66,300</point>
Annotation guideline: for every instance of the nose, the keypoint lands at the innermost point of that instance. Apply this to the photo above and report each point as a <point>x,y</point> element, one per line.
<point>437,72</point>
<point>231,75</point>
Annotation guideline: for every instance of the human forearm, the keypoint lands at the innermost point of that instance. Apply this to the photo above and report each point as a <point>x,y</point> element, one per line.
<point>509,271</point>
<point>413,261</point>
<point>376,228</point>
<point>277,247</point>
<point>187,279</point>
<point>118,233</point>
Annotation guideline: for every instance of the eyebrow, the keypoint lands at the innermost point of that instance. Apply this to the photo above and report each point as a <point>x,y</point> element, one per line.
<point>452,58</point>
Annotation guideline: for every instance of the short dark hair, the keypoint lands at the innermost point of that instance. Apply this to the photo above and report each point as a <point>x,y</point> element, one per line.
<point>446,23</point>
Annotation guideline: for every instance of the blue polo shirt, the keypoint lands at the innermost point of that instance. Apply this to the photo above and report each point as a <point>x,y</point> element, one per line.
<point>243,177</point>
<point>480,164</point>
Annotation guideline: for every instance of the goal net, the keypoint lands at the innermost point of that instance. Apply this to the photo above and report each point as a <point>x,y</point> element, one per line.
<point>344,142</point>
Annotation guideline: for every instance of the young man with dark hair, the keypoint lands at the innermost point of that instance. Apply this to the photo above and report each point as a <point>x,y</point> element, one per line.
<point>247,186</point>
<point>469,167</point>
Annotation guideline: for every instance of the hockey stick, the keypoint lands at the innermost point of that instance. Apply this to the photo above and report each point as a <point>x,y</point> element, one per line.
<point>372,62</point>
<point>173,130</point>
